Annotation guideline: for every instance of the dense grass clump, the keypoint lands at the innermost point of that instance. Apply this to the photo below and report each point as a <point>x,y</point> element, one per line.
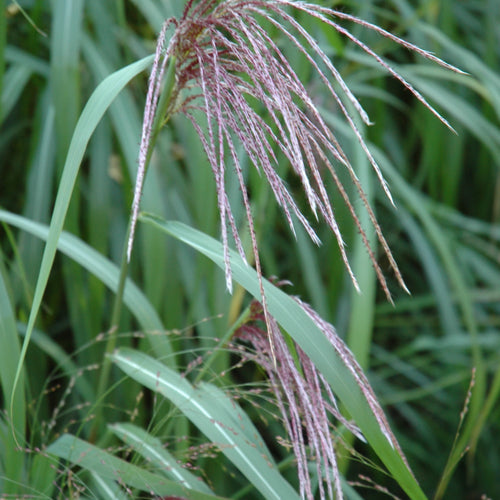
<point>133,366</point>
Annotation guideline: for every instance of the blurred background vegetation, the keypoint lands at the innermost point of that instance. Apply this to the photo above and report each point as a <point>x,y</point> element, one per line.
<point>444,232</point>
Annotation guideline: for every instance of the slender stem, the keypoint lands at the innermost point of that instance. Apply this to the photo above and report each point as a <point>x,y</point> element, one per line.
<point>210,361</point>
<point>162,115</point>
<point>115,321</point>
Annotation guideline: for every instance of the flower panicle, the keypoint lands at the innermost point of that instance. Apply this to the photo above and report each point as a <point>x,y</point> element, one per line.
<point>299,398</point>
<point>221,48</point>
<point>228,69</point>
<point>305,398</point>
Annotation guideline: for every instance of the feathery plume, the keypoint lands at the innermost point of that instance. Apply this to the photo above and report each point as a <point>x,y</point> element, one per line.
<point>227,68</point>
<point>305,398</point>
<point>220,50</point>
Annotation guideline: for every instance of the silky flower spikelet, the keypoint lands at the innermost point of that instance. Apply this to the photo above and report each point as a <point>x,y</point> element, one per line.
<point>228,61</point>
<point>305,399</point>
<point>224,70</point>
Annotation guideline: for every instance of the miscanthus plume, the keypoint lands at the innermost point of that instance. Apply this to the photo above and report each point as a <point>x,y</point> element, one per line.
<point>219,62</point>
<point>305,399</point>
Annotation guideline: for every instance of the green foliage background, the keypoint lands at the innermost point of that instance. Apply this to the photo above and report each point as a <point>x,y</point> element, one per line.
<point>444,233</point>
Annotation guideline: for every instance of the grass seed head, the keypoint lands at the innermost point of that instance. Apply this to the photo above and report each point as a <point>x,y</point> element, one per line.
<point>233,69</point>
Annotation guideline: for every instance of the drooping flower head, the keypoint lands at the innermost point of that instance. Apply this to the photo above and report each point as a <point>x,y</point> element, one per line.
<point>222,63</point>
<point>220,51</point>
<point>305,399</point>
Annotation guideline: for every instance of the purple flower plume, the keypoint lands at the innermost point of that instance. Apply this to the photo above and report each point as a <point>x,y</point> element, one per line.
<point>227,68</point>
<point>227,60</point>
<point>305,398</point>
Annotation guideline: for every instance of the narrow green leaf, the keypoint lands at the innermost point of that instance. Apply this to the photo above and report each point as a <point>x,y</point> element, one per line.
<point>108,273</point>
<point>9,356</point>
<point>215,415</point>
<point>42,476</point>
<point>107,466</point>
<point>108,489</point>
<point>3,47</point>
<point>34,64</point>
<point>66,31</point>
<point>97,105</point>
<point>151,448</point>
<point>14,82</point>
<point>305,332</point>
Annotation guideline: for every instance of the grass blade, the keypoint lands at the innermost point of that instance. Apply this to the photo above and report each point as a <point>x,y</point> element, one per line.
<point>304,331</point>
<point>155,453</point>
<point>97,105</point>
<point>14,82</point>
<point>107,466</point>
<point>108,489</point>
<point>215,415</point>
<point>108,273</point>
<point>9,355</point>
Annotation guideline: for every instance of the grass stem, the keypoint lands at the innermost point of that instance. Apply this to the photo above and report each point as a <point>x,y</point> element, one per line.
<point>161,118</point>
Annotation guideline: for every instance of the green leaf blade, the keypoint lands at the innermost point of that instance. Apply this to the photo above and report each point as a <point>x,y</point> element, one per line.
<point>199,406</point>
<point>305,332</point>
